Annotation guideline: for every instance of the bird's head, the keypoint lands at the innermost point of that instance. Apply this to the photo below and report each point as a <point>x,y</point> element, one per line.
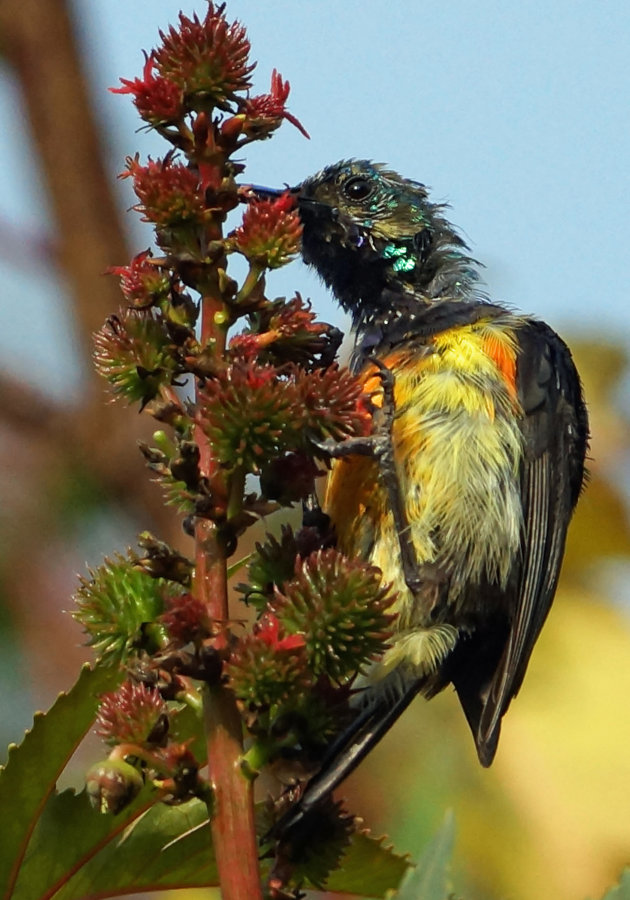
<point>370,232</point>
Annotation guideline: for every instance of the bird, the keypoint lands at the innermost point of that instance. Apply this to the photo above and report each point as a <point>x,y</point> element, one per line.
<point>465,497</point>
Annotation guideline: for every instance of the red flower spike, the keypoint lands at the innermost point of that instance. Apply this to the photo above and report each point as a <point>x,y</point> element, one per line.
<point>129,715</point>
<point>141,282</point>
<point>265,112</point>
<point>271,232</point>
<point>207,57</point>
<point>158,99</point>
<point>170,193</point>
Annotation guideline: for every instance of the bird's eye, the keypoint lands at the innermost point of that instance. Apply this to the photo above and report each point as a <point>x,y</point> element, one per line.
<point>357,188</point>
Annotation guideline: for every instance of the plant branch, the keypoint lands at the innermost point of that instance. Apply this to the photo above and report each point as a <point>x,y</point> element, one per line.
<point>233,824</point>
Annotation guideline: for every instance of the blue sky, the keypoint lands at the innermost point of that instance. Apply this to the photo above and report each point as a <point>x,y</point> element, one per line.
<point>515,113</point>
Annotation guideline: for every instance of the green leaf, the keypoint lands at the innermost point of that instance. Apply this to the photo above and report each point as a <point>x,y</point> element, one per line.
<point>33,767</point>
<point>430,880</point>
<point>238,565</point>
<point>621,891</point>
<point>367,868</point>
<point>79,854</point>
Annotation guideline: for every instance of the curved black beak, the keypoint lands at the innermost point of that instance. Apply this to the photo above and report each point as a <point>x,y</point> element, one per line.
<point>267,193</point>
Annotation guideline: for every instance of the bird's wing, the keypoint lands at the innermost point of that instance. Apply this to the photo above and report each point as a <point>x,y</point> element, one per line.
<point>555,432</point>
<point>379,708</point>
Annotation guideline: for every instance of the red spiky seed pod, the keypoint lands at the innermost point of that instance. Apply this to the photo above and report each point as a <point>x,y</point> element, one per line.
<point>143,284</point>
<point>334,404</point>
<point>170,193</point>
<point>130,715</point>
<point>265,112</point>
<point>186,619</point>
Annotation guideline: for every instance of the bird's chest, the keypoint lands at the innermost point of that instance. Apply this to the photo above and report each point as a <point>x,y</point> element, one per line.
<point>457,446</point>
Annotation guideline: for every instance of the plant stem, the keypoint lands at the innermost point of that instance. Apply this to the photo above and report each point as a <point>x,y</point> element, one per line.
<point>233,825</point>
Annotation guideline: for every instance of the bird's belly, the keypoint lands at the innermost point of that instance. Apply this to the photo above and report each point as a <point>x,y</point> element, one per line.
<point>457,447</point>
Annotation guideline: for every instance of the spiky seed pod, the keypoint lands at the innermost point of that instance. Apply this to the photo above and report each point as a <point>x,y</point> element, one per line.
<point>250,414</point>
<point>143,284</point>
<point>112,784</point>
<point>315,845</point>
<point>170,193</point>
<point>334,404</point>
<point>289,478</point>
<point>130,715</point>
<point>186,619</point>
<point>265,112</point>
<point>267,668</point>
<point>115,604</point>
<point>306,720</point>
<point>207,58</point>
<point>271,232</point>
<point>159,100</point>
<point>133,352</point>
<point>272,564</point>
<point>286,331</point>
<point>340,607</point>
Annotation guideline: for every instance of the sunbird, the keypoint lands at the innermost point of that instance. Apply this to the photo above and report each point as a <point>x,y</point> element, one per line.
<point>465,498</point>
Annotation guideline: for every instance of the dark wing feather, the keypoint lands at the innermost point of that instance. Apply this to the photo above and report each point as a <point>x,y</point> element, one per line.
<point>378,710</point>
<point>555,431</point>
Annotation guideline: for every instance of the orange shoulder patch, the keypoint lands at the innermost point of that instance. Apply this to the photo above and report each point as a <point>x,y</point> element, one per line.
<point>503,354</point>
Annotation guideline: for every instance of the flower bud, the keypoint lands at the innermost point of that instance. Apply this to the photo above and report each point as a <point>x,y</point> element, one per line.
<point>113,784</point>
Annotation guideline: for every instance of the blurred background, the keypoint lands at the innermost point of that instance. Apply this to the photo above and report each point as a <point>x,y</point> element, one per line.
<point>517,115</point>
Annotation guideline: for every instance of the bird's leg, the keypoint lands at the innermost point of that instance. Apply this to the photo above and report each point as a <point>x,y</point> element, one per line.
<point>380,448</point>
<point>387,466</point>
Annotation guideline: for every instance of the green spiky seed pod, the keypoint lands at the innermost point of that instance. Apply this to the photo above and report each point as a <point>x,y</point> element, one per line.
<point>340,607</point>
<point>272,564</point>
<point>266,668</point>
<point>132,351</point>
<point>115,604</point>
<point>317,844</point>
<point>250,414</point>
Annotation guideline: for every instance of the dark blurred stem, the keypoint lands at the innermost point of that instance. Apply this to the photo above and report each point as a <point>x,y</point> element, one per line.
<point>233,826</point>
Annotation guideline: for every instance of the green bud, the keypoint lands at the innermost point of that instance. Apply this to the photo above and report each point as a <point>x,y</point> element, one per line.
<point>113,784</point>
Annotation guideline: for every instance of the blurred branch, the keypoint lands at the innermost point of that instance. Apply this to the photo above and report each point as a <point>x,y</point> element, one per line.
<point>39,43</point>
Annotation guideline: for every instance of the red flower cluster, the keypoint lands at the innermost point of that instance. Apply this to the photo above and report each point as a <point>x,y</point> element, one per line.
<point>158,99</point>
<point>264,113</point>
<point>206,56</point>
<point>170,193</point>
<point>271,232</point>
<point>142,282</point>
